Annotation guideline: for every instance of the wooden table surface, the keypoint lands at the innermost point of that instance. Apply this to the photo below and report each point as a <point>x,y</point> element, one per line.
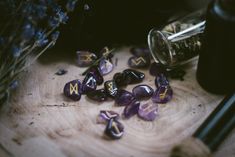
<point>40,122</point>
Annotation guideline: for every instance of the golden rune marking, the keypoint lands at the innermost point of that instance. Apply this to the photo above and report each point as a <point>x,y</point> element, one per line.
<point>137,61</point>
<point>162,95</point>
<point>73,88</point>
<point>105,54</point>
<point>86,57</point>
<point>115,127</point>
<point>110,115</point>
<point>110,87</point>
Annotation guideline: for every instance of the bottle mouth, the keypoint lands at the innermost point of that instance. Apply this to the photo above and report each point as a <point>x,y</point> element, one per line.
<point>160,48</point>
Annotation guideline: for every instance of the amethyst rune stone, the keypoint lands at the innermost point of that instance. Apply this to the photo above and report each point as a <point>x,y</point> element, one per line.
<point>124,98</point>
<point>105,67</point>
<point>98,77</point>
<point>111,88</point>
<point>98,95</point>
<point>120,80</point>
<point>133,76</point>
<point>161,80</point>
<point>148,111</point>
<point>131,109</point>
<point>85,58</point>
<point>142,92</point>
<point>89,83</point>
<point>157,68</point>
<point>114,129</point>
<point>163,94</point>
<point>105,116</point>
<point>139,62</point>
<point>73,90</point>
<point>138,51</point>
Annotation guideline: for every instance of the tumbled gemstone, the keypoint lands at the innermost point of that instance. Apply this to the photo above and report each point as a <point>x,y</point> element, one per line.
<point>111,88</point>
<point>148,111</point>
<point>124,98</point>
<point>105,115</point>
<point>139,62</point>
<point>133,76</point>
<point>89,83</point>
<point>161,80</point>
<point>73,90</point>
<point>163,94</point>
<point>157,68</point>
<point>120,80</point>
<point>114,129</point>
<point>138,51</point>
<point>131,109</point>
<point>85,58</point>
<point>98,77</point>
<point>98,95</point>
<point>105,67</point>
<point>142,92</point>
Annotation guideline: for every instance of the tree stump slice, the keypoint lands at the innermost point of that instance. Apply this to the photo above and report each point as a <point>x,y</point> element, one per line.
<point>40,121</point>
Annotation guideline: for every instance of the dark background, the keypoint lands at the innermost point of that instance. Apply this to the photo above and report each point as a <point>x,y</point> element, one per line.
<point>112,22</point>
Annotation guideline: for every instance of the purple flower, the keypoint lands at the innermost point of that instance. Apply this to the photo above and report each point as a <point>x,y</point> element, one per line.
<point>28,32</point>
<point>40,11</point>
<point>41,39</point>
<point>53,22</point>
<point>62,17</point>
<point>71,5</point>
<point>55,36</point>
<point>16,51</point>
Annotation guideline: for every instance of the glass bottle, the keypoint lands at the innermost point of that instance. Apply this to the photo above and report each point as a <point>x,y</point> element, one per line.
<point>178,42</point>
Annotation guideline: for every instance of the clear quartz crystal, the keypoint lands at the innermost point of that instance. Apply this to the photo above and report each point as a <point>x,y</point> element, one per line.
<point>178,42</point>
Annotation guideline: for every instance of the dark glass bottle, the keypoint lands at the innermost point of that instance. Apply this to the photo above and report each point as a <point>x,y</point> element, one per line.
<point>216,66</point>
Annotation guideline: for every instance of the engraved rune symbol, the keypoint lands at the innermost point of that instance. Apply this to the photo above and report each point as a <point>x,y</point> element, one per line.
<point>73,88</point>
<point>148,109</point>
<point>137,61</point>
<point>115,127</point>
<point>162,95</point>
<point>110,87</point>
<point>86,57</point>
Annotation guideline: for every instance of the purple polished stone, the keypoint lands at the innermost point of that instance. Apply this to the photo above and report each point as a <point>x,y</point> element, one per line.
<point>161,80</point>
<point>98,95</point>
<point>106,115</point>
<point>142,92</point>
<point>105,67</point>
<point>111,88</point>
<point>120,80</point>
<point>163,94</point>
<point>133,76</point>
<point>139,62</point>
<point>124,98</point>
<point>138,51</point>
<point>148,111</point>
<point>73,90</point>
<point>157,68</point>
<point>114,129</point>
<point>95,71</point>
<point>85,58</point>
<point>131,109</point>
<point>89,83</point>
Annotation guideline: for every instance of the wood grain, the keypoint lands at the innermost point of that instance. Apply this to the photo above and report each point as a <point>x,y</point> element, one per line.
<point>41,122</point>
